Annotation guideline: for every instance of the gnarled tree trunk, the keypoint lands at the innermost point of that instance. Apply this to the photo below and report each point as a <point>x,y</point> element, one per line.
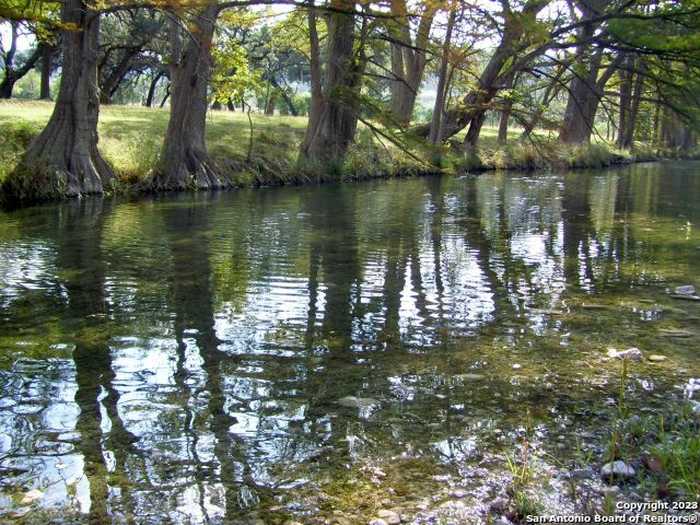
<point>63,161</point>
<point>585,93</point>
<point>184,161</point>
<point>586,88</point>
<point>333,118</point>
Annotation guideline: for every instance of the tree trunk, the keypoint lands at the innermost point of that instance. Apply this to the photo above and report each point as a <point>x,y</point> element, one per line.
<point>582,103</point>
<point>63,161</point>
<point>111,83</point>
<point>636,98</point>
<point>625,101</point>
<point>152,89</point>
<point>501,64</point>
<point>271,103</point>
<point>505,115</point>
<point>586,89</point>
<point>581,109</point>
<point>7,85</point>
<point>8,59</point>
<point>408,59</point>
<point>585,93</point>
<point>184,161</point>
<point>503,123</point>
<point>12,75</point>
<point>675,133</point>
<point>291,109</point>
<point>166,96</point>
<point>332,129</point>
<point>289,103</point>
<point>439,107</point>
<point>655,127</point>
<point>475,125</point>
<point>316,104</point>
<point>46,63</point>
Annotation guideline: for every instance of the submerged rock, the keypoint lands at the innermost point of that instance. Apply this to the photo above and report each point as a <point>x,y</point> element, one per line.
<point>688,289</point>
<point>632,354</point>
<point>589,306</point>
<point>357,402</point>
<point>617,469</point>
<point>389,516</point>
<point>670,332</point>
<point>469,377</point>
<point>692,386</point>
<point>686,297</point>
<point>378,521</point>
<point>656,358</point>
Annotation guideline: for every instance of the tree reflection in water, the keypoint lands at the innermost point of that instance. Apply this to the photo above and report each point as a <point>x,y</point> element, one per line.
<point>185,357</point>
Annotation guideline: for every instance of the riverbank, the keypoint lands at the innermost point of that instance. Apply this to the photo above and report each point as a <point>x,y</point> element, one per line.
<point>131,137</point>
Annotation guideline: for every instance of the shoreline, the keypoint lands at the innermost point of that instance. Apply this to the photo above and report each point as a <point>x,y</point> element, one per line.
<point>139,190</point>
<point>131,142</point>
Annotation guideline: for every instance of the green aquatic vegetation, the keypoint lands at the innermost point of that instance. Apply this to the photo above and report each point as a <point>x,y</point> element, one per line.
<point>680,459</point>
<point>674,454</point>
<point>666,445</point>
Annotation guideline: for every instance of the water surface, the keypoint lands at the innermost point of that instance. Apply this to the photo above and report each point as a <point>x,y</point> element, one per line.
<point>191,358</point>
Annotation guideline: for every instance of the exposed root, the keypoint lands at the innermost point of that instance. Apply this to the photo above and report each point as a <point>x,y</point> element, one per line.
<point>38,178</point>
<point>191,171</point>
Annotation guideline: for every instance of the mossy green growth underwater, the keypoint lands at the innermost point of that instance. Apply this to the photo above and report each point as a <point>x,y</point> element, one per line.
<point>442,348</point>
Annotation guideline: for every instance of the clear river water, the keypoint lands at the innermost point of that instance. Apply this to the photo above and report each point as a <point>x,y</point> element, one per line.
<point>315,353</point>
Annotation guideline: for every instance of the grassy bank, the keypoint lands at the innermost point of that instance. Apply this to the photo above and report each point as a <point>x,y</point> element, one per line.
<point>131,137</point>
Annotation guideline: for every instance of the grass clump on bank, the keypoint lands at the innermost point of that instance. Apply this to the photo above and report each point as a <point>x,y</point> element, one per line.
<point>664,449</point>
<point>14,139</point>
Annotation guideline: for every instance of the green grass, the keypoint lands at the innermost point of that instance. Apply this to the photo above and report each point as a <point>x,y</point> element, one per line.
<point>131,138</point>
<point>665,449</point>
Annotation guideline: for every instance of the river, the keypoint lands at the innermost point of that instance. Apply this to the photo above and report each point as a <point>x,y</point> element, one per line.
<point>317,353</point>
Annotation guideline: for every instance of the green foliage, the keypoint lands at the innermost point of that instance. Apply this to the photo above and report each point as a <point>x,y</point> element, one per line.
<point>233,79</point>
